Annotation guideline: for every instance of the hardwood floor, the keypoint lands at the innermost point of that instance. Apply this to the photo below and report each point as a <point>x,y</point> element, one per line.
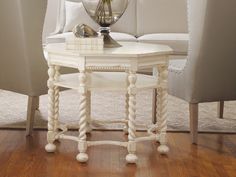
<point>215,156</point>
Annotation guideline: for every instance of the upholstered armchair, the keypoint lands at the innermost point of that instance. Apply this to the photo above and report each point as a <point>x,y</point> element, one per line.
<point>210,71</point>
<point>22,65</point>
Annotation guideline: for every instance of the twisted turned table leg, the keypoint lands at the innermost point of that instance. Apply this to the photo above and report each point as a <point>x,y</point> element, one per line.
<point>89,128</point>
<point>50,147</point>
<point>125,129</point>
<point>82,146</point>
<point>162,108</point>
<point>157,123</point>
<point>131,157</point>
<point>56,101</point>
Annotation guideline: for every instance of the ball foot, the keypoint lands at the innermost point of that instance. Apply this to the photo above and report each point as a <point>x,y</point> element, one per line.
<point>131,158</point>
<point>82,157</point>
<point>163,149</point>
<point>50,147</point>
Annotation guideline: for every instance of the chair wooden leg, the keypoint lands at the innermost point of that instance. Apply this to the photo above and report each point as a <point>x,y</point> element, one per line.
<point>32,105</point>
<point>37,103</point>
<point>154,106</point>
<point>220,109</point>
<point>193,110</point>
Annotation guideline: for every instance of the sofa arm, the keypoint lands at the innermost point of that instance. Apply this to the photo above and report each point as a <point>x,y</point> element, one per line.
<point>177,41</point>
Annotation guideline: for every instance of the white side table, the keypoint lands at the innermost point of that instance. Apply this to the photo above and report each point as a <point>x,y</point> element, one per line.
<point>129,58</point>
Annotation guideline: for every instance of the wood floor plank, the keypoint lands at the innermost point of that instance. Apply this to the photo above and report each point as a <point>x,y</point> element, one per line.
<point>214,156</point>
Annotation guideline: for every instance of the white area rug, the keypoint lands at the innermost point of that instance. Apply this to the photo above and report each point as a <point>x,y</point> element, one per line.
<point>110,105</point>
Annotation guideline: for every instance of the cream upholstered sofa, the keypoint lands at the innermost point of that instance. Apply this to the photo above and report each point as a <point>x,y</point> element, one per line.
<point>152,21</point>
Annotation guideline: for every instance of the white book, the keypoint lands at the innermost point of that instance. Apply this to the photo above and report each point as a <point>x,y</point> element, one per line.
<point>93,43</point>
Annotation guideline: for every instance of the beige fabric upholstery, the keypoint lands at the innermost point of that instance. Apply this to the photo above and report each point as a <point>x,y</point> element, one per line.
<point>60,38</point>
<point>209,74</point>
<point>50,19</point>
<point>76,14</point>
<point>128,22</point>
<point>22,65</point>
<point>161,16</point>
<point>177,64</point>
<point>177,41</point>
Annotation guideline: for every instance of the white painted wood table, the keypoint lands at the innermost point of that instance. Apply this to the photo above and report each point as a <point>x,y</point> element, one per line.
<point>126,61</point>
